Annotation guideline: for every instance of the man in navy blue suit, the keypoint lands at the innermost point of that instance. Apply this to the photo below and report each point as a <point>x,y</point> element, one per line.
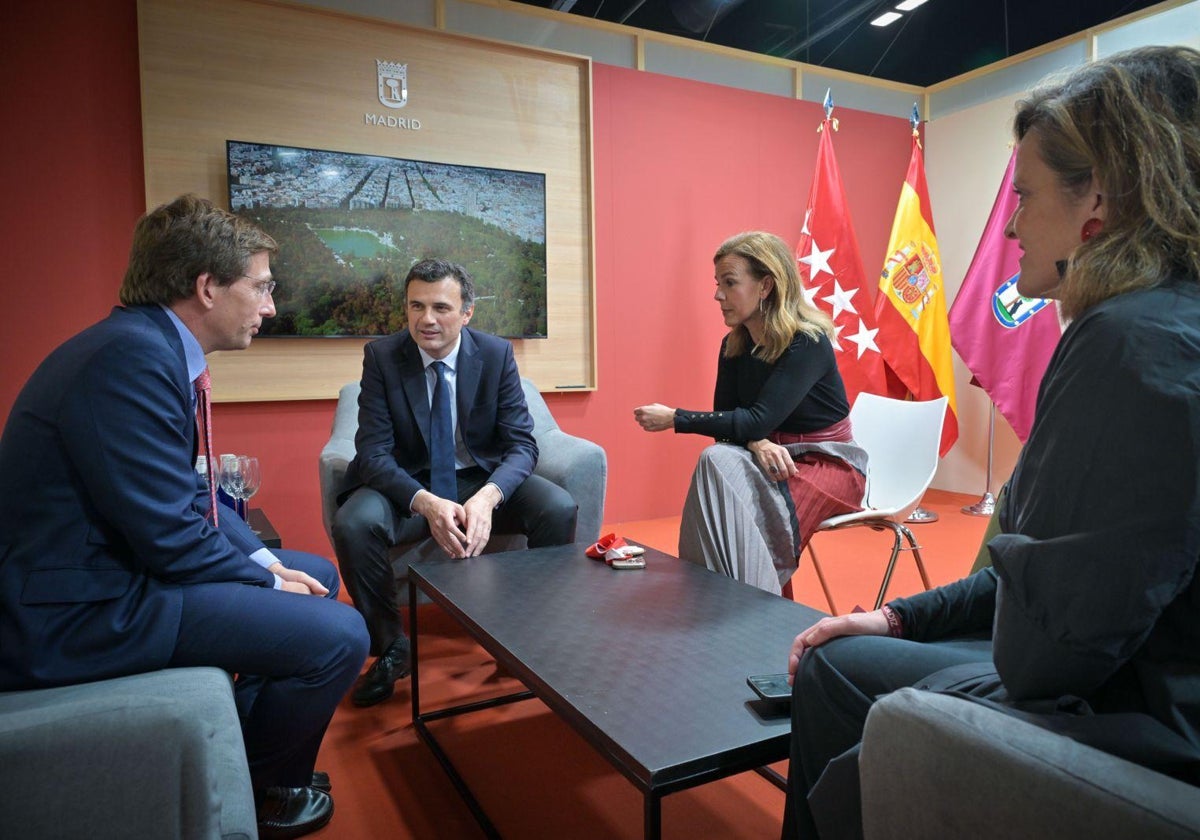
<point>391,494</point>
<point>110,563</point>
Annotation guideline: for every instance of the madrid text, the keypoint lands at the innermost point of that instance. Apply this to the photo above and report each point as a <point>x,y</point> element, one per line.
<point>388,121</point>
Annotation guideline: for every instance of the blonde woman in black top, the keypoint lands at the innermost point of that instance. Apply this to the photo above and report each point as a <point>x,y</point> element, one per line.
<point>784,457</point>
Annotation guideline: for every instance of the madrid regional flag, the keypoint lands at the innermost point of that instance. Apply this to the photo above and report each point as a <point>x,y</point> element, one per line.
<point>1005,339</point>
<point>910,308</point>
<point>833,276</point>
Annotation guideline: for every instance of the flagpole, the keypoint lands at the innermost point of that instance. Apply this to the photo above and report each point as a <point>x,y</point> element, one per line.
<point>987,503</point>
<point>920,515</point>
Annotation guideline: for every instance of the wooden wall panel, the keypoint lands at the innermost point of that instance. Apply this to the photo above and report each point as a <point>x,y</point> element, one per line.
<point>217,70</point>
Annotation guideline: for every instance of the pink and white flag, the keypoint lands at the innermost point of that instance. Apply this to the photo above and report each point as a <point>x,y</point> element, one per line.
<point>1006,340</point>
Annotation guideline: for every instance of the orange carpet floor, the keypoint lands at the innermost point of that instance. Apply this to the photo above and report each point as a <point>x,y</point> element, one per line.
<point>534,776</point>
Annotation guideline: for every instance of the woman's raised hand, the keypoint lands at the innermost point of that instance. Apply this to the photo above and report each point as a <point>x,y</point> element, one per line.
<point>655,417</point>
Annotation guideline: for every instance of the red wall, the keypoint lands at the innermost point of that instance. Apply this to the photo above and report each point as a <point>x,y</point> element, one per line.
<point>70,170</point>
<point>679,166</point>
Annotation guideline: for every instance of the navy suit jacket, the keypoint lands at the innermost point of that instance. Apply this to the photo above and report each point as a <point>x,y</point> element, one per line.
<point>102,519</point>
<point>392,443</point>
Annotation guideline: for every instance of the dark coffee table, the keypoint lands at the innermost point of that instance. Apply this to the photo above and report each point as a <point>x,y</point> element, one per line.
<point>674,642</point>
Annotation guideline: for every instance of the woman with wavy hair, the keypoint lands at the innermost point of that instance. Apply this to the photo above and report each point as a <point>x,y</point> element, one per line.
<point>1088,621</point>
<point>785,458</point>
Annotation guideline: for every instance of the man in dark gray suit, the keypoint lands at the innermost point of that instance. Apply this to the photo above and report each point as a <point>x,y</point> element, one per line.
<point>392,492</point>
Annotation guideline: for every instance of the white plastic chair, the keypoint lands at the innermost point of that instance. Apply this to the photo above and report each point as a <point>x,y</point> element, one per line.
<point>901,438</point>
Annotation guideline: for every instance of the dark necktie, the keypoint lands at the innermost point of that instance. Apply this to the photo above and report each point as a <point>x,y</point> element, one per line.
<point>204,424</point>
<point>442,481</point>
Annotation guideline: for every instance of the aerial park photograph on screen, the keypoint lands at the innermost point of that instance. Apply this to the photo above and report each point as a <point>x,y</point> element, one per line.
<point>349,226</point>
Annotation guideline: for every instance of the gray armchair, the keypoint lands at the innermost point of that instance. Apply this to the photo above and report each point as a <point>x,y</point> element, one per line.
<point>148,755</point>
<point>578,466</point>
<point>933,765</point>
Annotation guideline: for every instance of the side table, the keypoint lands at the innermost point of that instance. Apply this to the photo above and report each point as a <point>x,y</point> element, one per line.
<point>257,520</point>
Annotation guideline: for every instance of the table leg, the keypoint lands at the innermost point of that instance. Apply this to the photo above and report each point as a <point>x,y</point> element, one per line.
<point>420,721</point>
<point>415,682</point>
<point>773,776</point>
<point>653,816</point>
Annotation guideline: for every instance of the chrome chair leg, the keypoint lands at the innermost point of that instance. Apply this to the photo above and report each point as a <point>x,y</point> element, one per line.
<point>891,566</point>
<point>916,550</point>
<point>821,577</point>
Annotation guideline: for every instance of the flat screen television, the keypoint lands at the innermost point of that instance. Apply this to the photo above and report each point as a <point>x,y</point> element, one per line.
<point>349,226</point>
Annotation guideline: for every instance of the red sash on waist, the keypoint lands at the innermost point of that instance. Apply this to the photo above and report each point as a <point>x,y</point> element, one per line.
<point>839,432</point>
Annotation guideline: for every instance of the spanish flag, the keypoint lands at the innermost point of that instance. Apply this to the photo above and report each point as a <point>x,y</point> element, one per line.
<point>910,309</point>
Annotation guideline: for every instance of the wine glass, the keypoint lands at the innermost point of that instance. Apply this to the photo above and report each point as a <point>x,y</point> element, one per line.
<point>230,479</point>
<point>251,481</point>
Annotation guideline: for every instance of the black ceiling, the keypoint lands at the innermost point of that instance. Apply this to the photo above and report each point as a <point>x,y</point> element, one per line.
<point>935,42</point>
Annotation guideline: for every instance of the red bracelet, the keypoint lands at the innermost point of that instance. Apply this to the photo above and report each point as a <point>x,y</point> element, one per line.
<point>895,628</point>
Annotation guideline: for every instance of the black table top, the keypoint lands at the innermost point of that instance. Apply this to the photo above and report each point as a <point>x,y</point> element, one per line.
<point>648,665</point>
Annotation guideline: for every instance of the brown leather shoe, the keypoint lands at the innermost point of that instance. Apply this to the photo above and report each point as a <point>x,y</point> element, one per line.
<point>293,812</point>
<point>379,683</point>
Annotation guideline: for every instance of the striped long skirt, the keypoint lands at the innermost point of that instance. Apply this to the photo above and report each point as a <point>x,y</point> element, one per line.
<point>739,522</point>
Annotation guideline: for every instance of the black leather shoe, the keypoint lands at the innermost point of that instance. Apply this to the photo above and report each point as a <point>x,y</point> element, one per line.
<point>379,682</point>
<point>320,781</point>
<point>293,812</point>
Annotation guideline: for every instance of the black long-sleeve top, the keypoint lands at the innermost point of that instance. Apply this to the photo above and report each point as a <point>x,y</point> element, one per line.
<point>799,392</point>
<point>1095,592</point>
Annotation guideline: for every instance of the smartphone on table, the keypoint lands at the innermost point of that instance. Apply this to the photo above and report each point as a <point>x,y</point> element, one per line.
<point>773,687</point>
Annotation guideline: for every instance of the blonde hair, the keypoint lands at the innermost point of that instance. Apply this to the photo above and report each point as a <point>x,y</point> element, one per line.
<point>785,311</point>
<point>1131,121</point>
